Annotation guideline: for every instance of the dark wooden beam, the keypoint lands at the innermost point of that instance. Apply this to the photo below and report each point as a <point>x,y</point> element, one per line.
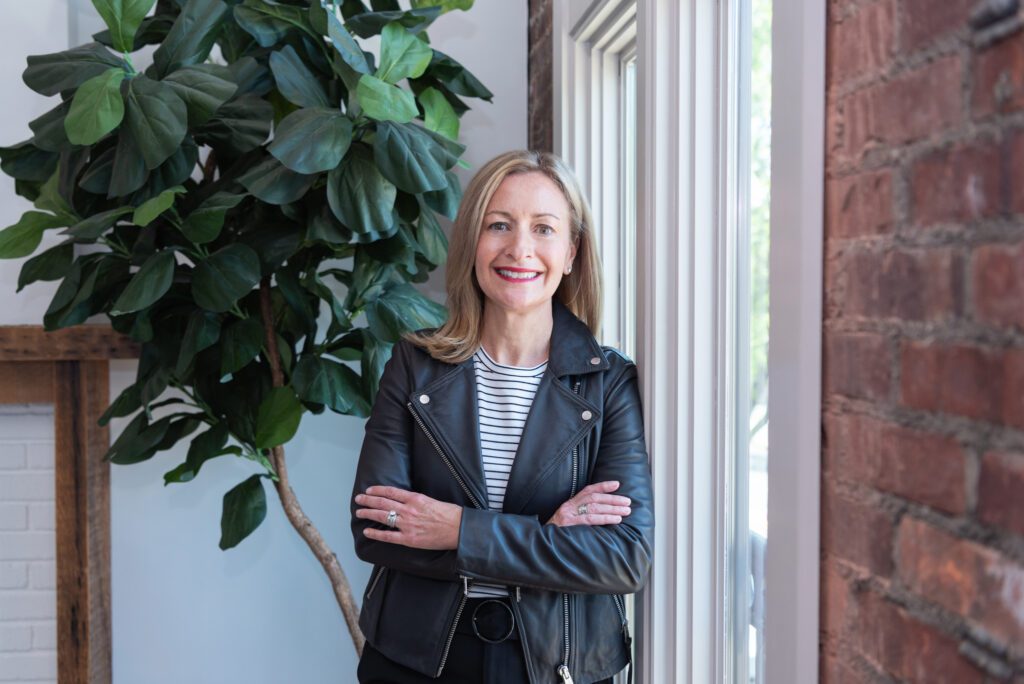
<point>80,342</point>
<point>540,57</point>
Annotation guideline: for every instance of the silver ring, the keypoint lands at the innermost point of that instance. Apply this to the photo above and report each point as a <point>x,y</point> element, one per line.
<point>392,519</point>
<point>581,509</point>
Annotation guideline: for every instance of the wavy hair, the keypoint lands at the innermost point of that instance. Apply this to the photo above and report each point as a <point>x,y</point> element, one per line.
<point>580,291</point>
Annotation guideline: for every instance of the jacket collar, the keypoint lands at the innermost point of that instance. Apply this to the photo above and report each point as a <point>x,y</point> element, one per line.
<point>555,423</point>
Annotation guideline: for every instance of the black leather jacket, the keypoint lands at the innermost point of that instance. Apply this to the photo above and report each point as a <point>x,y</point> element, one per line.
<point>566,584</point>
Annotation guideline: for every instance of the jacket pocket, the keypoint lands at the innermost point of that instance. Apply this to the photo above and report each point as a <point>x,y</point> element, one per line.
<point>373,600</point>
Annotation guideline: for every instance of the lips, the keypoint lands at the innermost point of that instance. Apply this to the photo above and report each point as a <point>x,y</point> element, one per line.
<point>517,275</point>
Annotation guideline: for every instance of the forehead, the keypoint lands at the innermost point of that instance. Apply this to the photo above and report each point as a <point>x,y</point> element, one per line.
<point>529,194</point>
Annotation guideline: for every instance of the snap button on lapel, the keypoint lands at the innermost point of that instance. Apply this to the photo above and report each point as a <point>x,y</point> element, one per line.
<point>594,361</point>
<point>424,399</point>
<point>587,415</point>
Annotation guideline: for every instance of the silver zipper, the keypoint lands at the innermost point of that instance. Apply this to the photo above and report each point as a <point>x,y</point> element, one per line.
<point>441,453</point>
<point>563,669</point>
<point>458,478</point>
<point>373,584</point>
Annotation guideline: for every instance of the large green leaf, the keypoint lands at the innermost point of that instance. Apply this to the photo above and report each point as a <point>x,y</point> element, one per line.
<point>138,441</point>
<point>204,223</point>
<point>371,23</point>
<point>438,114</point>
<point>129,171</point>
<point>402,308</point>
<point>152,208</point>
<point>457,78</point>
<point>445,5</point>
<point>90,228</point>
<point>51,264</point>
<point>402,55</point>
<point>22,238</point>
<point>295,81</point>
<point>123,18</point>
<point>346,45</point>
<point>225,276</point>
<point>28,162</point>
<point>48,129</point>
<point>430,237</point>
<point>96,109</point>
<point>52,73</point>
<point>203,88</point>
<point>322,381</point>
<point>409,158</point>
<point>241,342</point>
<point>270,22</point>
<point>385,102</point>
<point>157,118</point>
<point>274,183</point>
<point>240,125</point>
<point>192,36</point>
<point>376,353</point>
<point>359,195</point>
<point>245,507</point>
<point>203,331</point>
<point>209,444</point>
<point>278,417</point>
<point>312,140</point>
<point>149,284</point>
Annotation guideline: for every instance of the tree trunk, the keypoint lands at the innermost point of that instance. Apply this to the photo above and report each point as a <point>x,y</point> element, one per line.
<point>302,524</point>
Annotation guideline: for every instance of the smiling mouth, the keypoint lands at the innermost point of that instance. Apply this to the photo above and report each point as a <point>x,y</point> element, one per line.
<point>517,276</point>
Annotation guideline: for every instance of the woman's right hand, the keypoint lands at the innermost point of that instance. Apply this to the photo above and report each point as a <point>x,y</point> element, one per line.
<point>602,508</point>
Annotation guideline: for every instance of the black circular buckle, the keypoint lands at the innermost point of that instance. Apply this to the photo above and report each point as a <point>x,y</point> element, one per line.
<point>510,613</point>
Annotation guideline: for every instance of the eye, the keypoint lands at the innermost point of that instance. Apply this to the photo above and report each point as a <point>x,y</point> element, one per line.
<point>547,230</point>
<point>493,225</point>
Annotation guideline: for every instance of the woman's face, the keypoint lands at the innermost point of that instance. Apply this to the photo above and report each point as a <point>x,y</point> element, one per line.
<point>524,246</point>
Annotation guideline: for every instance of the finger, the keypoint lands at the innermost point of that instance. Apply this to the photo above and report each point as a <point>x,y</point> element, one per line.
<point>394,493</point>
<point>374,514</point>
<point>601,519</point>
<point>390,536</point>
<point>606,509</point>
<point>598,487</point>
<point>611,499</point>
<point>378,502</point>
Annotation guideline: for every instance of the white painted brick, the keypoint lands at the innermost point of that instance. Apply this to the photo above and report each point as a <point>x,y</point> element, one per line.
<point>22,667</point>
<point>41,516</point>
<point>13,576</point>
<point>27,545</point>
<point>43,575</point>
<point>15,637</point>
<point>13,516</point>
<point>26,486</point>
<point>27,427</point>
<point>44,636</point>
<point>40,455</point>
<point>12,456</point>
<point>28,605</point>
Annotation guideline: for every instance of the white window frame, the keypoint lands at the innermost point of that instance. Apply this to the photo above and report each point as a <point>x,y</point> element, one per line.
<point>685,310</point>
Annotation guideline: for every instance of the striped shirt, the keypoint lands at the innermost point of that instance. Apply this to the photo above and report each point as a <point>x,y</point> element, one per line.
<point>504,395</point>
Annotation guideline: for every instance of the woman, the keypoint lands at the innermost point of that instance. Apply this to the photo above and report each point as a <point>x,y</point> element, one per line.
<point>494,559</point>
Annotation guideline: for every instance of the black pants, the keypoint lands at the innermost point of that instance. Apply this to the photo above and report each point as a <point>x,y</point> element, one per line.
<point>470,659</point>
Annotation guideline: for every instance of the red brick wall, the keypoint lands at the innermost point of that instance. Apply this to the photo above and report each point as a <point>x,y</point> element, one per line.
<point>923,414</point>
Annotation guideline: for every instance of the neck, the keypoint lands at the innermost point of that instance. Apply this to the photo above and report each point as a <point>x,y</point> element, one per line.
<point>517,338</point>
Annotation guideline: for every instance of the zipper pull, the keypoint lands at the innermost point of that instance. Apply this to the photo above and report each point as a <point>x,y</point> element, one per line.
<point>465,585</point>
<point>519,596</point>
<point>563,672</point>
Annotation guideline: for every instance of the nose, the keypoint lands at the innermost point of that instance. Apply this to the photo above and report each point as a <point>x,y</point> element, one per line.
<point>519,245</point>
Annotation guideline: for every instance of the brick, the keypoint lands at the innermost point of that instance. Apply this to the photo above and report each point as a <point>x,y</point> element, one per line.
<point>42,516</point>
<point>908,284</point>
<point>906,648</point>
<point>857,365</point>
<point>859,205</point>
<point>923,21</point>
<point>983,384</point>
<point>13,575</point>
<point>1000,487</point>
<point>13,517</point>
<point>913,464</point>
<point>914,106</point>
<point>21,667</point>
<point>44,636</point>
<point>835,591</point>
<point>1016,168</point>
<point>26,545</point>
<point>15,638</point>
<point>997,284</point>
<point>964,577</point>
<point>26,427</point>
<point>42,575</point>
<point>28,605</point>
<point>40,455</point>
<point>836,671</point>
<point>856,532</point>
<point>999,78</point>
<point>861,43</point>
<point>26,486</point>
<point>957,184</point>
<point>12,456</point>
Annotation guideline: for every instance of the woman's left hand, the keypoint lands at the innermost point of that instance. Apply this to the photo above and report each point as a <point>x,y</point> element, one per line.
<point>423,522</point>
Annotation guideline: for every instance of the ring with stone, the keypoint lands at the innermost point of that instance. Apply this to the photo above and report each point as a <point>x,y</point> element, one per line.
<point>581,509</point>
<point>392,519</point>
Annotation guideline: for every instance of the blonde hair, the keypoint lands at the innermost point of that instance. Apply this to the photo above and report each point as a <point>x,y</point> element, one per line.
<point>580,291</point>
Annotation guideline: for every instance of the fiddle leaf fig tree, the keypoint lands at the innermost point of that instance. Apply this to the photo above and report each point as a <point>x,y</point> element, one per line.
<point>253,209</point>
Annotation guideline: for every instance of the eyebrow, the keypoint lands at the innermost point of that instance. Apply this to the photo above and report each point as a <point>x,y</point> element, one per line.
<point>505,213</point>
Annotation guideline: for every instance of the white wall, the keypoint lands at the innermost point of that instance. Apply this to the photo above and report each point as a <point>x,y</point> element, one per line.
<point>263,612</point>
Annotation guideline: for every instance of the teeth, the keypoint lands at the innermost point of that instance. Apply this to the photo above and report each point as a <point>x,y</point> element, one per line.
<point>517,275</point>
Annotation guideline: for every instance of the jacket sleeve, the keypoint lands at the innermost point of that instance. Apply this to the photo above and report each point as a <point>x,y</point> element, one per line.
<point>385,460</point>
<point>597,559</point>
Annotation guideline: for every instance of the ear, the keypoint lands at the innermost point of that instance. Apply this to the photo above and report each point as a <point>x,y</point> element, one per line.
<point>572,253</point>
